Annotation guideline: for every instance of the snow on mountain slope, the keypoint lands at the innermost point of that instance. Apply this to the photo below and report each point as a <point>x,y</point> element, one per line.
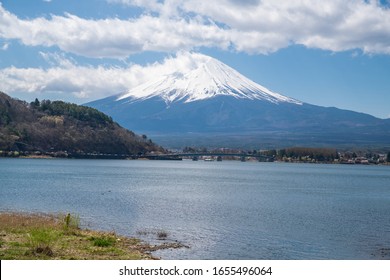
<point>209,79</point>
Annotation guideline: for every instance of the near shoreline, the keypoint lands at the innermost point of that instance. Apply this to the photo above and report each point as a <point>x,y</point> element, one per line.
<point>31,236</point>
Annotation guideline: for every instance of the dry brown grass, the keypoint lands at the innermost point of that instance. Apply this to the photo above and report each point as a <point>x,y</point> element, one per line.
<point>17,221</point>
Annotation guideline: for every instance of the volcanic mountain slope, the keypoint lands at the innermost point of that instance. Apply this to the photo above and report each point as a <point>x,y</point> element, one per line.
<point>214,101</point>
<point>56,126</point>
<point>210,79</point>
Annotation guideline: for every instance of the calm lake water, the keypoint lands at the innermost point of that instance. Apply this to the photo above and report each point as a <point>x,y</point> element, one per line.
<point>222,210</point>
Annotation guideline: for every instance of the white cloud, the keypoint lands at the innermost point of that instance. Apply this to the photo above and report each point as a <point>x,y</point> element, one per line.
<point>112,37</point>
<point>262,26</point>
<point>5,46</point>
<point>67,78</point>
<point>251,26</point>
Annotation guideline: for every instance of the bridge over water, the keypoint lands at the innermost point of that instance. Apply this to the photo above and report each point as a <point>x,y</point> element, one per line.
<point>219,156</point>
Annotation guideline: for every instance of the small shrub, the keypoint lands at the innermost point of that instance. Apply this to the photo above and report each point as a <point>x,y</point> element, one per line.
<point>41,240</point>
<point>71,222</point>
<point>67,220</point>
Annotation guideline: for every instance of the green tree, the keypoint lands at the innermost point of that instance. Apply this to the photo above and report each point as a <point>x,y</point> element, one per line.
<point>282,153</point>
<point>37,103</point>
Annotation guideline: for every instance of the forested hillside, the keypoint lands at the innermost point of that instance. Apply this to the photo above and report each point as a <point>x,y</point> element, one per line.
<point>62,128</point>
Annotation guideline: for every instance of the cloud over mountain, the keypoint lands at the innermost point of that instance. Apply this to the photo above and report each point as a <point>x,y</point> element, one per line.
<point>247,26</point>
<point>66,77</point>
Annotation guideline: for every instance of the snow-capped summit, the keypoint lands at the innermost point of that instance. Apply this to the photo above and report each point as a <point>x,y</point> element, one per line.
<point>209,79</point>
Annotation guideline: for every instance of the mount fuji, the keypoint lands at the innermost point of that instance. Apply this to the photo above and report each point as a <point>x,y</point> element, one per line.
<point>210,79</point>
<point>214,105</point>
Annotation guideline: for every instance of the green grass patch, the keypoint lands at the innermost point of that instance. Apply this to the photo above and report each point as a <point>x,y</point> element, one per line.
<point>42,240</point>
<point>103,241</point>
<point>16,244</point>
<point>44,237</point>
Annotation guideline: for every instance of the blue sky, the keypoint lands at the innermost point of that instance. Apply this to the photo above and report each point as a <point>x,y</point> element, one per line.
<point>328,53</point>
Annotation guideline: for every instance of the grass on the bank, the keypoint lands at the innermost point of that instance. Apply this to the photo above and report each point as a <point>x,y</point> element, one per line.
<point>44,237</point>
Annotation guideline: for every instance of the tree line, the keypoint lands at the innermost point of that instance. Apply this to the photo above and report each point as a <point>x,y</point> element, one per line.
<point>81,113</point>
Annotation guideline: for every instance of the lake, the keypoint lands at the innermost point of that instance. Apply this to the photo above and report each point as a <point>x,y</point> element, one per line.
<point>221,210</point>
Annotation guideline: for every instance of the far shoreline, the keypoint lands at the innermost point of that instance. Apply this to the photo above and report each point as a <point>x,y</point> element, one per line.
<point>99,157</point>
